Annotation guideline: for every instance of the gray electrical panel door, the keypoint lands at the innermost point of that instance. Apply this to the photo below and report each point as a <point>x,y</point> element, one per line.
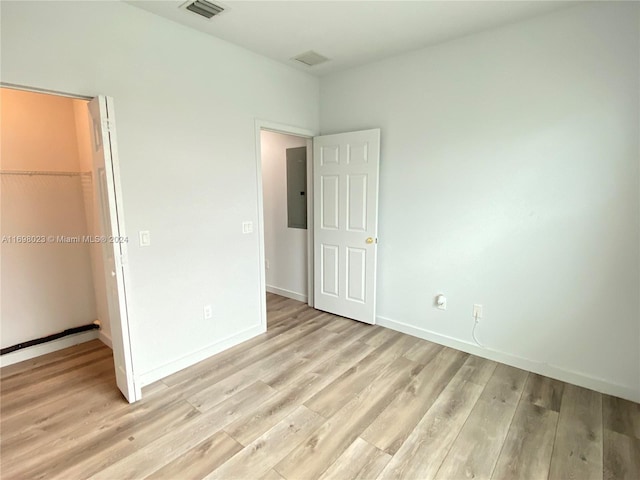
<point>297,187</point>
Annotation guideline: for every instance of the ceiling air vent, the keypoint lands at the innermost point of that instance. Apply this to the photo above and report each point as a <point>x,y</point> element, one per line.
<point>203,8</point>
<point>310,58</point>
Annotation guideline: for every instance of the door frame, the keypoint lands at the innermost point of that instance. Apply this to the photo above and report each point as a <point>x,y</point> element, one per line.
<point>124,271</point>
<point>298,132</point>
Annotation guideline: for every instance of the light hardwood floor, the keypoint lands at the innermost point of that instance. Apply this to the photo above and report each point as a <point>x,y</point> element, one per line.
<point>317,396</point>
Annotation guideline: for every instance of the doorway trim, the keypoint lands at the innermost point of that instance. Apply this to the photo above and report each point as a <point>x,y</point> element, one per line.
<point>298,132</point>
<point>126,278</point>
<point>23,88</point>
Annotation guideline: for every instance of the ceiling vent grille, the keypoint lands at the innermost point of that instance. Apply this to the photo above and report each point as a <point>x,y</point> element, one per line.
<point>204,8</point>
<point>310,58</point>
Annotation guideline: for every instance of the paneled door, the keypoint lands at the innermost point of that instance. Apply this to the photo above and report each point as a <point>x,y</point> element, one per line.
<point>345,180</point>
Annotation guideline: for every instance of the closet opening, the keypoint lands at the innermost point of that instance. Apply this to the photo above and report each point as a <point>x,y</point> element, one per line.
<point>55,276</point>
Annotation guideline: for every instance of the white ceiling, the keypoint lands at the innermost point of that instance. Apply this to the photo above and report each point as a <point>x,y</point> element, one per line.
<point>350,33</point>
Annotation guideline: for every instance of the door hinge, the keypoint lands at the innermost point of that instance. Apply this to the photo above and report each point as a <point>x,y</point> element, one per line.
<point>121,259</point>
<point>107,124</point>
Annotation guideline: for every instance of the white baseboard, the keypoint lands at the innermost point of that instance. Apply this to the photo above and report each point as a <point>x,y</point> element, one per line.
<point>49,347</point>
<point>106,339</point>
<point>167,369</point>
<point>559,373</point>
<point>283,292</point>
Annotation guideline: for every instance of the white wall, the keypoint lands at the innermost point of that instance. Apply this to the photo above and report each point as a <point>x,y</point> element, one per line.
<point>285,248</point>
<point>45,287</point>
<point>38,132</point>
<point>509,178</point>
<point>185,107</point>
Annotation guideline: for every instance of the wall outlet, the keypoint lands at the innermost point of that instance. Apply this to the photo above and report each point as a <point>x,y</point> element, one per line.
<point>441,301</point>
<point>207,310</point>
<point>477,312</point>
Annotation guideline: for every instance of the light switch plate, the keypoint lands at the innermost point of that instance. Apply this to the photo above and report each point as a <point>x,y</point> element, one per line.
<point>247,227</point>
<point>145,238</point>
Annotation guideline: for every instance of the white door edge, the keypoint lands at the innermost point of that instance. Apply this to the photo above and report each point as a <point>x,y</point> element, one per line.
<point>124,272</point>
<point>106,153</point>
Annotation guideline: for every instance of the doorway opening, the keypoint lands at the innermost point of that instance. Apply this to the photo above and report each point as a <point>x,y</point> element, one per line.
<point>285,161</point>
<point>342,172</point>
<point>55,275</point>
<point>284,192</point>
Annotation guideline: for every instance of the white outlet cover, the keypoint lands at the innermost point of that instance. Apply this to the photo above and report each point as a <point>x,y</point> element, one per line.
<point>208,312</point>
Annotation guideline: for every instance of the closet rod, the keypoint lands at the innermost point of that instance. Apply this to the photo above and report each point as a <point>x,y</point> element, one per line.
<point>28,172</point>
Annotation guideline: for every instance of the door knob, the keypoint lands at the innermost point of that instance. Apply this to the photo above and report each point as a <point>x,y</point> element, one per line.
<point>370,240</point>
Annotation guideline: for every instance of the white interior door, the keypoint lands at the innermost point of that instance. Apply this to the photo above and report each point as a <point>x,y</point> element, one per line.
<point>107,191</point>
<point>345,179</point>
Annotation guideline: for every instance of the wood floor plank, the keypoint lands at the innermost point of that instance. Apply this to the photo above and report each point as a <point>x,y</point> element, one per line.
<point>511,381</point>
<point>153,389</point>
<point>266,451</point>
<point>212,395</point>
<point>529,444</point>
<point>117,417</point>
<point>314,358</point>
<point>341,325</point>
<point>621,416</point>
<point>423,352</point>
<point>50,359</point>
<point>81,460</point>
<point>221,371</point>
<point>360,461</point>
<point>49,443</point>
<point>392,427</point>
<point>331,398</point>
<point>577,452</point>
<point>56,419</point>
<point>43,393</point>
<point>185,436</point>
<point>326,444</point>
<point>72,363</point>
<point>475,452</point>
<point>285,359</point>
<point>477,370</point>
<point>241,356</point>
<point>294,314</point>
<point>114,418</point>
<point>544,392</point>
<point>621,456</point>
<point>249,427</point>
<point>272,475</point>
<point>200,460</point>
<point>16,388</point>
<point>420,457</point>
<point>378,335</point>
